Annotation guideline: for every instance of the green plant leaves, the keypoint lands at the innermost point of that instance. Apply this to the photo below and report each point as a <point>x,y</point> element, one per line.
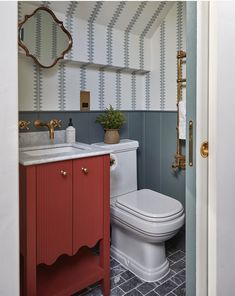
<point>111,119</point>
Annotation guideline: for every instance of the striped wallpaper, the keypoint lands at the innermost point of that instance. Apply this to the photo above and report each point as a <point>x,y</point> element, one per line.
<point>59,88</point>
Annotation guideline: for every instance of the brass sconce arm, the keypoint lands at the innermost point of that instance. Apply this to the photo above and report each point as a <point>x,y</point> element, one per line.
<point>51,125</point>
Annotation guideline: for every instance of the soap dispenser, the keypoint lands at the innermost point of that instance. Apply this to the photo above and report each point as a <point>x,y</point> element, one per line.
<point>70,132</point>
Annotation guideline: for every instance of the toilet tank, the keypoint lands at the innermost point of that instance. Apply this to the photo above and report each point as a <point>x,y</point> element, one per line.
<point>123,178</point>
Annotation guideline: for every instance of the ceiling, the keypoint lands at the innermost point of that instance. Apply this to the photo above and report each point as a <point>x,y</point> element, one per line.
<point>140,17</point>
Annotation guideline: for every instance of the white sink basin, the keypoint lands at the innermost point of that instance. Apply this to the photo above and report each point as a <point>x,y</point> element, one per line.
<point>58,152</point>
<point>54,151</point>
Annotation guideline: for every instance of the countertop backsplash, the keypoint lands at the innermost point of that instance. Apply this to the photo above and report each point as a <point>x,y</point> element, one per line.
<point>40,138</point>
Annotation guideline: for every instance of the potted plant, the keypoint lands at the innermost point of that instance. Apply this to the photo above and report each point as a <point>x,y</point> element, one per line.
<point>111,120</point>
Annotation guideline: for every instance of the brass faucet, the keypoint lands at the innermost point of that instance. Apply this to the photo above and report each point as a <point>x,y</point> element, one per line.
<point>50,125</point>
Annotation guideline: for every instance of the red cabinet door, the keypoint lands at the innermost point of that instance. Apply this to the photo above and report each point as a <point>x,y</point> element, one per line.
<point>88,187</point>
<point>54,211</point>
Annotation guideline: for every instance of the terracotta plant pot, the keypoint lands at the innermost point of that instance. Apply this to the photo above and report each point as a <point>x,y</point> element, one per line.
<point>111,136</point>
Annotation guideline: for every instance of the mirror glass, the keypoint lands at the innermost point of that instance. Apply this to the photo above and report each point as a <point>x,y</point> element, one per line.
<point>44,38</point>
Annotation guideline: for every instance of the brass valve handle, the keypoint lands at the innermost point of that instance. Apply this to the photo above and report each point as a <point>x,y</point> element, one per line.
<point>56,122</point>
<point>23,124</point>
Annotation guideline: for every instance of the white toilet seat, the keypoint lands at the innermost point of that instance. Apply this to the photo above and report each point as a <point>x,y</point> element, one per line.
<point>152,223</point>
<point>150,205</point>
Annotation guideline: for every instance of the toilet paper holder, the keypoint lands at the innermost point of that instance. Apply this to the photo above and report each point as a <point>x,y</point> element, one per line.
<point>112,161</point>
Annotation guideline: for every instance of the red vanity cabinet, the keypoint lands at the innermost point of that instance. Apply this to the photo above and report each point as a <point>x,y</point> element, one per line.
<point>54,203</point>
<point>64,211</point>
<point>87,212</point>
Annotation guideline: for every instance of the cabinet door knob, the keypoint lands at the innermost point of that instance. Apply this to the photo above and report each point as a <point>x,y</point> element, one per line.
<point>85,171</point>
<point>63,173</point>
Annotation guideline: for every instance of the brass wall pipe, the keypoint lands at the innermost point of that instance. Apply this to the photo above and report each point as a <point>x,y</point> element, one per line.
<point>181,80</point>
<point>179,162</point>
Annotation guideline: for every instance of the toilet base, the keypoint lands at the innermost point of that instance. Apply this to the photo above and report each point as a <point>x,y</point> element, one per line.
<point>146,275</point>
<point>146,260</point>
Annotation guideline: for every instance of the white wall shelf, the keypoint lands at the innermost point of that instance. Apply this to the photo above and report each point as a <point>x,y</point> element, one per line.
<point>106,67</point>
<point>97,66</point>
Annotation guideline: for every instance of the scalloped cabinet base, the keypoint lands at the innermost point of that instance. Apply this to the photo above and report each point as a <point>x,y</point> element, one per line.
<point>64,211</point>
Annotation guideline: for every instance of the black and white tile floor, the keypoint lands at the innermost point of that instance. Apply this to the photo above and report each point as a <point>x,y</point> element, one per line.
<point>123,282</point>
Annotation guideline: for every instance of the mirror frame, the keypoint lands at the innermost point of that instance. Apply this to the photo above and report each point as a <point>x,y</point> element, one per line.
<point>60,23</point>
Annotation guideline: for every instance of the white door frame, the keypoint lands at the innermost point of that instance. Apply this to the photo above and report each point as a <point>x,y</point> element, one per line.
<point>220,88</point>
<point>221,205</point>
<point>9,197</point>
<point>212,265</point>
<point>202,163</point>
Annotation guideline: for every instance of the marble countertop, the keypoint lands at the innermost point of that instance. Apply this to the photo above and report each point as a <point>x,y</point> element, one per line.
<point>32,155</point>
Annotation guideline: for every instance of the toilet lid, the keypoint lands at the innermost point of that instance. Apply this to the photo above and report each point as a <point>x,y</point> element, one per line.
<point>150,205</point>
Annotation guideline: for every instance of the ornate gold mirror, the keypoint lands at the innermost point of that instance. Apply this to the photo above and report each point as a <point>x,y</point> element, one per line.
<point>44,38</point>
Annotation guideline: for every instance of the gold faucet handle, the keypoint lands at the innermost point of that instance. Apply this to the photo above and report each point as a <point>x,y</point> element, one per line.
<point>56,122</point>
<point>23,124</point>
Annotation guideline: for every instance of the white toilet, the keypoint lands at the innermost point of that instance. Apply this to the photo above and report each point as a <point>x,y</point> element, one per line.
<point>142,220</point>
